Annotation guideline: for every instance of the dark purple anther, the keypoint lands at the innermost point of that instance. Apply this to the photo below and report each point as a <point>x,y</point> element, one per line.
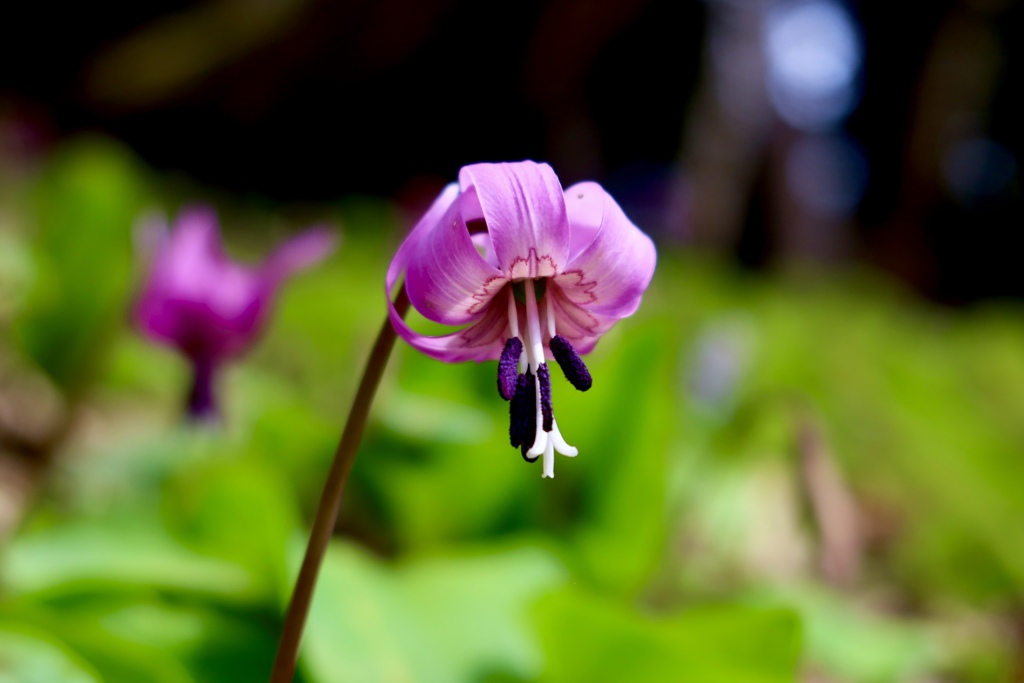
<point>524,414</point>
<point>518,411</point>
<point>544,375</point>
<point>508,368</point>
<point>572,365</point>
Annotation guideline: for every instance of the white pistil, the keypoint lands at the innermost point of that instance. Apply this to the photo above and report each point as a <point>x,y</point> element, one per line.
<point>535,355</point>
<point>549,461</point>
<point>545,443</point>
<point>556,436</point>
<point>533,327</point>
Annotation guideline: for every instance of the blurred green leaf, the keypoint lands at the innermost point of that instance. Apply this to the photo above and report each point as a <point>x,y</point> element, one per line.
<point>238,510</point>
<point>85,204</point>
<point>448,619</point>
<point>31,656</point>
<point>116,650</point>
<point>850,643</point>
<point>16,273</point>
<point>589,638</point>
<point>624,425</point>
<point>72,558</point>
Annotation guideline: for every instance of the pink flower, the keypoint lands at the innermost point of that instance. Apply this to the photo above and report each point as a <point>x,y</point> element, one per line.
<point>530,272</point>
<point>206,306</point>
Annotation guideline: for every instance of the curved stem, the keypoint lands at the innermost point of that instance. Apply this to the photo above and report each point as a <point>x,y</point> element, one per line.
<point>330,499</point>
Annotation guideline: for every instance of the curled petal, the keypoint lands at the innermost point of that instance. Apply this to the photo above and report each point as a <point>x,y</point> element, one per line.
<point>482,340</point>
<point>446,278</point>
<point>609,275</point>
<point>524,208</point>
<point>426,223</point>
<point>482,242</point>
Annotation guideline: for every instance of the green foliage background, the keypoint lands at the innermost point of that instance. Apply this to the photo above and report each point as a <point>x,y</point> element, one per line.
<point>678,546</point>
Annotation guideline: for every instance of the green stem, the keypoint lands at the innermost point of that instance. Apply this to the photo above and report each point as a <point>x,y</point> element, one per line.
<point>330,499</point>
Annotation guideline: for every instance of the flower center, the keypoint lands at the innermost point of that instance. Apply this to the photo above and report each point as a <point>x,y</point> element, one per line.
<point>532,425</point>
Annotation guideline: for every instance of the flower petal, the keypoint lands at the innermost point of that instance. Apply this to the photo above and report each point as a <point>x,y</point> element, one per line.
<point>190,262</point>
<point>524,208</point>
<point>426,223</point>
<point>585,209</point>
<point>446,278</point>
<point>183,267</point>
<point>195,298</point>
<point>581,326</point>
<point>609,275</point>
<point>480,341</point>
<point>300,252</point>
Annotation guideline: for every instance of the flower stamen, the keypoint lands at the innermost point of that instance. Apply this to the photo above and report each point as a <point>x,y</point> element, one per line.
<point>549,306</point>
<point>533,326</point>
<point>559,443</point>
<point>508,368</point>
<point>513,314</point>
<point>573,367</point>
<point>535,354</point>
<point>544,381</point>
<point>529,394</point>
<point>522,420</point>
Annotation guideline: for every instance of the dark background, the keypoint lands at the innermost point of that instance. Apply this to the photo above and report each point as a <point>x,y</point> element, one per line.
<point>310,101</point>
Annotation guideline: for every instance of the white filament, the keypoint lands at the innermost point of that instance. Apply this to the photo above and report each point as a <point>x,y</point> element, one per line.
<point>513,325</point>
<point>535,356</point>
<point>544,443</point>
<point>533,325</point>
<point>513,315</point>
<point>559,443</point>
<point>550,307</point>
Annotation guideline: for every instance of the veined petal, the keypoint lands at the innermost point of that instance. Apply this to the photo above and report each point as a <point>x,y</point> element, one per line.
<point>609,275</point>
<point>426,223</point>
<point>300,252</point>
<point>483,340</point>
<point>524,208</point>
<point>580,325</point>
<point>480,341</point>
<point>446,278</point>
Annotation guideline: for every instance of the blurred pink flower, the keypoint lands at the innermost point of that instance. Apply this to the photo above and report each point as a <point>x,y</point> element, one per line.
<point>206,306</point>
<point>530,271</point>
